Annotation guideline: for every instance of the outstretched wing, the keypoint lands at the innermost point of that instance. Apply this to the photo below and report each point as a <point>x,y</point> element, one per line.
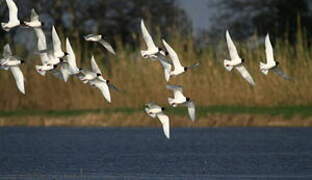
<point>177,90</point>
<point>7,51</point>
<point>173,55</point>
<point>280,73</point>
<point>34,15</point>
<point>164,119</point>
<point>107,46</point>
<point>102,86</point>
<point>191,110</point>
<point>166,67</point>
<point>57,45</point>
<point>13,11</point>
<point>19,78</point>
<point>245,74</point>
<point>147,37</point>
<point>231,46</point>
<point>94,67</point>
<point>269,50</point>
<point>71,58</point>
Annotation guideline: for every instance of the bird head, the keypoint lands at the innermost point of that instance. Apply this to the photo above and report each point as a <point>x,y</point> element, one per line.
<point>188,99</point>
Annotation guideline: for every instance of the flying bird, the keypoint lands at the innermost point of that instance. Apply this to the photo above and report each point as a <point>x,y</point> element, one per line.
<point>13,16</point>
<point>236,62</point>
<point>10,62</point>
<point>152,49</point>
<point>155,111</point>
<point>98,38</point>
<point>271,64</point>
<point>180,99</point>
<point>178,68</point>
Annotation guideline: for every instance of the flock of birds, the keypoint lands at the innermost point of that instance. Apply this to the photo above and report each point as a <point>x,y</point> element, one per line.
<point>62,64</point>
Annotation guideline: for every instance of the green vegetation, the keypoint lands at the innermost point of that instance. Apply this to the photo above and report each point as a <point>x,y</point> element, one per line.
<point>286,111</point>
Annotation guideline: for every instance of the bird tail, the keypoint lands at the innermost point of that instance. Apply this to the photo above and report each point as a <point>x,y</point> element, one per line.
<point>42,73</point>
<point>227,66</point>
<point>262,69</point>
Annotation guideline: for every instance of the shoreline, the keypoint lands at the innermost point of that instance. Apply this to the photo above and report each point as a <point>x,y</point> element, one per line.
<point>211,116</point>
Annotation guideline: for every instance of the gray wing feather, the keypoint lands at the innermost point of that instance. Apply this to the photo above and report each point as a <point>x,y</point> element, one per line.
<point>280,73</point>
<point>107,46</point>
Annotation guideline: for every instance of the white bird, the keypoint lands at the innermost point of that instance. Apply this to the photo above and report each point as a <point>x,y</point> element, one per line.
<point>12,63</point>
<point>13,16</point>
<point>86,75</point>
<point>152,49</point>
<point>47,65</point>
<point>154,111</point>
<point>178,68</point>
<point>34,20</point>
<point>180,99</point>
<point>98,38</point>
<point>236,62</point>
<point>271,64</point>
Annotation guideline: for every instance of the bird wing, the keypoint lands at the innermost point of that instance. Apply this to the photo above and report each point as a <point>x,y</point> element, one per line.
<point>87,37</point>
<point>13,11</point>
<point>104,90</point>
<point>7,51</point>
<point>167,68</point>
<point>269,50</point>
<point>164,119</point>
<point>193,66</point>
<point>107,46</point>
<point>177,91</point>
<point>191,110</point>
<point>42,45</point>
<point>231,46</point>
<point>57,45</point>
<point>71,58</point>
<point>173,55</point>
<point>280,73</point>
<point>245,74</point>
<point>19,78</point>
<point>34,15</point>
<point>94,67</point>
<point>65,71</point>
<point>147,37</point>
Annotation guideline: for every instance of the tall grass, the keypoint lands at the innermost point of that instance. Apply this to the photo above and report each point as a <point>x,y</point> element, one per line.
<point>143,80</point>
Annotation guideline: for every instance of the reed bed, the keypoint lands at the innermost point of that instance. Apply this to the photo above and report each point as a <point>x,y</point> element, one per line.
<point>143,80</point>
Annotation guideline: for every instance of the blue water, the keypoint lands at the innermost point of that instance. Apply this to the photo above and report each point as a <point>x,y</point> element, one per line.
<point>143,153</point>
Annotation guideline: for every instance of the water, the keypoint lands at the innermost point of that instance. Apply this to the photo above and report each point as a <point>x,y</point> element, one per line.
<point>143,153</point>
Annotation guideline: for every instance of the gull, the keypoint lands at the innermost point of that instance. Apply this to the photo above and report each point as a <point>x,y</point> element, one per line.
<point>95,79</point>
<point>10,62</point>
<point>236,62</point>
<point>13,18</point>
<point>86,75</point>
<point>179,98</point>
<point>98,38</point>
<point>34,20</point>
<point>178,68</point>
<point>152,49</point>
<point>154,111</point>
<point>271,64</point>
<point>44,56</point>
